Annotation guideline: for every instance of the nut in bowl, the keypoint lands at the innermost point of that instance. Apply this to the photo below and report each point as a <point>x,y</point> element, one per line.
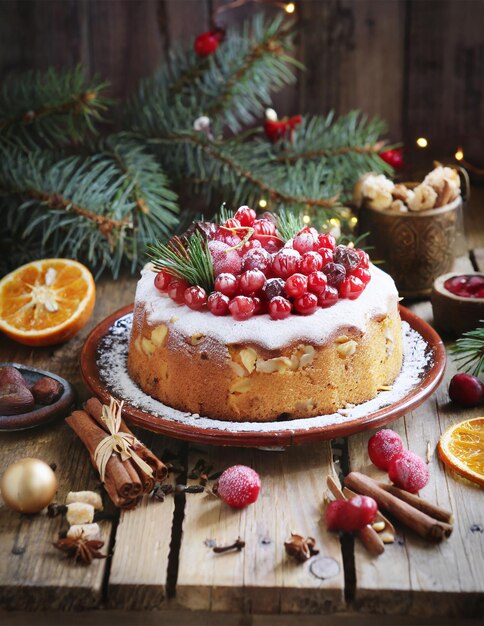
<point>413,226</point>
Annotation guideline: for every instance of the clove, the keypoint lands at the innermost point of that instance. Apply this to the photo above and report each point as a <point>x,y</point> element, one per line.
<point>189,489</point>
<point>237,545</point>
<point>160,491</point>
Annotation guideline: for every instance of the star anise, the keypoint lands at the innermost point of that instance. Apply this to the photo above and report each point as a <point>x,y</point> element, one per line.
<point>301,548</point>
<point>81,549</point>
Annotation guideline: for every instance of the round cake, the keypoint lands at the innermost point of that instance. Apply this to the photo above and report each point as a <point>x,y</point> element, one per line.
<point>263,357</point>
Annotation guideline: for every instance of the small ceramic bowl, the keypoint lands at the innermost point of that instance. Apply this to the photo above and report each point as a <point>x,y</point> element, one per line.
<point>455,314</point>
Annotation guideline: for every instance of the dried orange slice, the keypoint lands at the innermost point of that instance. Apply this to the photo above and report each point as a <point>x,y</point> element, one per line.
<point>46,302</point>
<point>461,447</point>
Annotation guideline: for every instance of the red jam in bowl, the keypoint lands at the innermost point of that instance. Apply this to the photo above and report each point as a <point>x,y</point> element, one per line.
<point>466,286</point>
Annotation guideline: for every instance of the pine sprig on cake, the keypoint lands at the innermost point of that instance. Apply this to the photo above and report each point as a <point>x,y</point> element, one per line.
<point>468,351</point>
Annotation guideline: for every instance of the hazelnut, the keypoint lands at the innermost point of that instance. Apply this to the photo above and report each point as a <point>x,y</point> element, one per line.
<point>46,390</point>
<point>11,376</point>
<point>15,399</point>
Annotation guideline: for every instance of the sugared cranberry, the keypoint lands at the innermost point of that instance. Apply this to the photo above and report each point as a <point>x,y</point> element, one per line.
<point>296,285</point>
<point>257,259</point>
<point>241,308</point>
<point>162,280</point>
<point>317,282</point>
<point>271,243</point>
<point>224,259</point>
<point>264,227</point>
<point>176,290</point>
<point>279,308</point>
<point>326,240</point>
<point>363,274</point>
<point>351,515</point>
<point>306,240</point>
<point>227,236</point>
<point>383,447</point>
<point>217,303</point>
<point>195,297</point>
<point>286,262</point>
<point>408,471</point>
<point>232,222</point>
<point>326,255</point>
<point>226,284</point>
<point>466,286</point>
<point>238,486</point>
<point>245,215</point>
<point>307,304</point>
<point>329,297</point>
<point>351,288</point>
<point>251,281</point>
<point>348,257</point>
<point>273,287</point>
<point>466,390</point>
<point>249,245</point>
<point>259,306</point>
<point>310,262</point>
<point>364,258</point>
<point>335,273</point>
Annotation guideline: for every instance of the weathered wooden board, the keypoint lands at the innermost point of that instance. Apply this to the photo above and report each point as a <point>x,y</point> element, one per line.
<point>261,578</point>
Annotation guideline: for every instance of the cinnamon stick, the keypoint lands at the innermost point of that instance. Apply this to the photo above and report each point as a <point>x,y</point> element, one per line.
<point>424,525</point>
<point>121,481</point>
<point>419,503</point>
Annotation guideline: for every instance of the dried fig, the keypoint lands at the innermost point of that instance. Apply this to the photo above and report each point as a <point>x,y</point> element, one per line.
<point>46,390</point>
<point>11,376</point>
<point>15,399</point>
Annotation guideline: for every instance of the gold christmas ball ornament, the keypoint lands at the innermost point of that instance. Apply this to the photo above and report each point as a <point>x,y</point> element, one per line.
<point>28,485</point>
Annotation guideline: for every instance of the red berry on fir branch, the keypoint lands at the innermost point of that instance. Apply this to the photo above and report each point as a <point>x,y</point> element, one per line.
<point>279,308</point>
<point>307,304</point>
<point>383,447</point>
<point>408,471</point>
<point>206,44</point>
<point>176,290</point>
<point>162,280</point>
<point>195,297</point>
<point>227,284</point>
<point>238,486</point>
<point>245,215</point>
<point>241,308</point>
<point>393,158</point>
<point>218,304</point>
<point>466,390</point>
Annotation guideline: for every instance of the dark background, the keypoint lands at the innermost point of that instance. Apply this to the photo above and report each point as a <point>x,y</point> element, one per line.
<point>419,64</point>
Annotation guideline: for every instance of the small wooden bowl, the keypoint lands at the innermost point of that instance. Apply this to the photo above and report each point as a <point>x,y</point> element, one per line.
<point>455,314</point>
<point>40,414</point>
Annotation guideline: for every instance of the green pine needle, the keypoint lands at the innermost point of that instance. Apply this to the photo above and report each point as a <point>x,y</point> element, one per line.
<point>468,351</point>
<point>289,223</point>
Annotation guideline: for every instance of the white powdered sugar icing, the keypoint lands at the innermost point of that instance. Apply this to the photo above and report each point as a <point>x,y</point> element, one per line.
<point>112,364</point>
<point>379,298</point>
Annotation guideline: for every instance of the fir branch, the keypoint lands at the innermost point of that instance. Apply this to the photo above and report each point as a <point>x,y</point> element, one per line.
<point>189,260</point>
<point>325,153</point>
<point>50,108</point>
<point>468,351</point>
<point>289,223</point>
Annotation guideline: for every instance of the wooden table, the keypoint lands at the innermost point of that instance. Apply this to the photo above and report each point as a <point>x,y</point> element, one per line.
<point>162,569</point>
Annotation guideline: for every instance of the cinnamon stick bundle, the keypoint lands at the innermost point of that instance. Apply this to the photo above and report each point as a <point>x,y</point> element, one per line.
<point>419,503</point>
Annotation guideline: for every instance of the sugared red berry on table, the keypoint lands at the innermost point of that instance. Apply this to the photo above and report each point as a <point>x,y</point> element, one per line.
<point>306,304</point>
<point>273,287</point>
<point>466,390</point>
<point>279,308</point>
<point>238,486</point>
<point>245,215</point>
<point>393,157</point>
<point>218,304</point>
<point>224,260</point>
<point>162,280</point>
<point>232,222</point>
<point>257,259</point>
<point>264,227</point>
<point>176,290</point>
<point>383,447</point>
<point>317,282</point>
<point>335,273</point>
<point>351,515</point>
<point>296,285</point>
<point>408,471</point>
<point>363,274</point>
<point>329,297</point>
<point>306,240</point>
<point>364,258</point>
<point>241,308</point>
<point>251,281</point>
<point>326,240</point>
<point>206,44</point>
<point>326,255</point>
<point>310,262</point>
<point>226,284</point>
<point>286,262</point>
<point>351,287</point>
<point>195,297</point>
<point>347,257</point>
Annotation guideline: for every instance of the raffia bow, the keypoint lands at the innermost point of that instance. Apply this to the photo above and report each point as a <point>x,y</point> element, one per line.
<point>116,442</point>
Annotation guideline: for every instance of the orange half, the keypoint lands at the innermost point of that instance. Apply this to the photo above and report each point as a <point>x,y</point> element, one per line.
<point>46,302</point>
<point>461,447</point>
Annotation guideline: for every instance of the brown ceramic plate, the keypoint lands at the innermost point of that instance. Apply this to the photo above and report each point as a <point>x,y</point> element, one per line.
<point>40,414</point>
<point>277,436</point>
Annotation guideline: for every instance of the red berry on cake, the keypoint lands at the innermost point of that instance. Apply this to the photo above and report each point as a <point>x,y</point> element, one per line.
<point>176,290</point>
<point>329,297</point>
<point>310,262</point>
<point>326,255</point>
<point>286,262</point>
<point>307,304</point>
<point>251,281</point>
<point>317,283</point>
<point>226,284</point>
<point>238,486</point>
<point>162,280</point>
<point>326,240</point>
<point>232,222</point>
<point>279,308</point>
<point>306,240</point>
<point>227,236</point>
<point>363,274</point>
<point>241,308</point>
<point>272,288</point>
<point>296,285</point>
<point>348,257</point>
<point>259,306</point>
<point>364,258</point>
<point>351,287</point>
<point>408,471</point>
<point>245,215</point>
<point>195,297</point>
<point>264,227</point>
<point>383,447</point>
<point>257,259</point>
<point>218,304</point>
<point>224,260</point>
<point>335,273</point>
<point>351,515</point>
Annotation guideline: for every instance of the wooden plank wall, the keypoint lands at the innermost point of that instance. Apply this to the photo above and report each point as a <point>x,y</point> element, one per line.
<point>417,63</point>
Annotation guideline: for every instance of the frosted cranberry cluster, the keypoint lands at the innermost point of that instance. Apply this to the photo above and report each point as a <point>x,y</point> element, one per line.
<point>262,274</point>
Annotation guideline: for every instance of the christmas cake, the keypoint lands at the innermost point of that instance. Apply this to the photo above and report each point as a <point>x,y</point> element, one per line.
<point>239,322</point>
